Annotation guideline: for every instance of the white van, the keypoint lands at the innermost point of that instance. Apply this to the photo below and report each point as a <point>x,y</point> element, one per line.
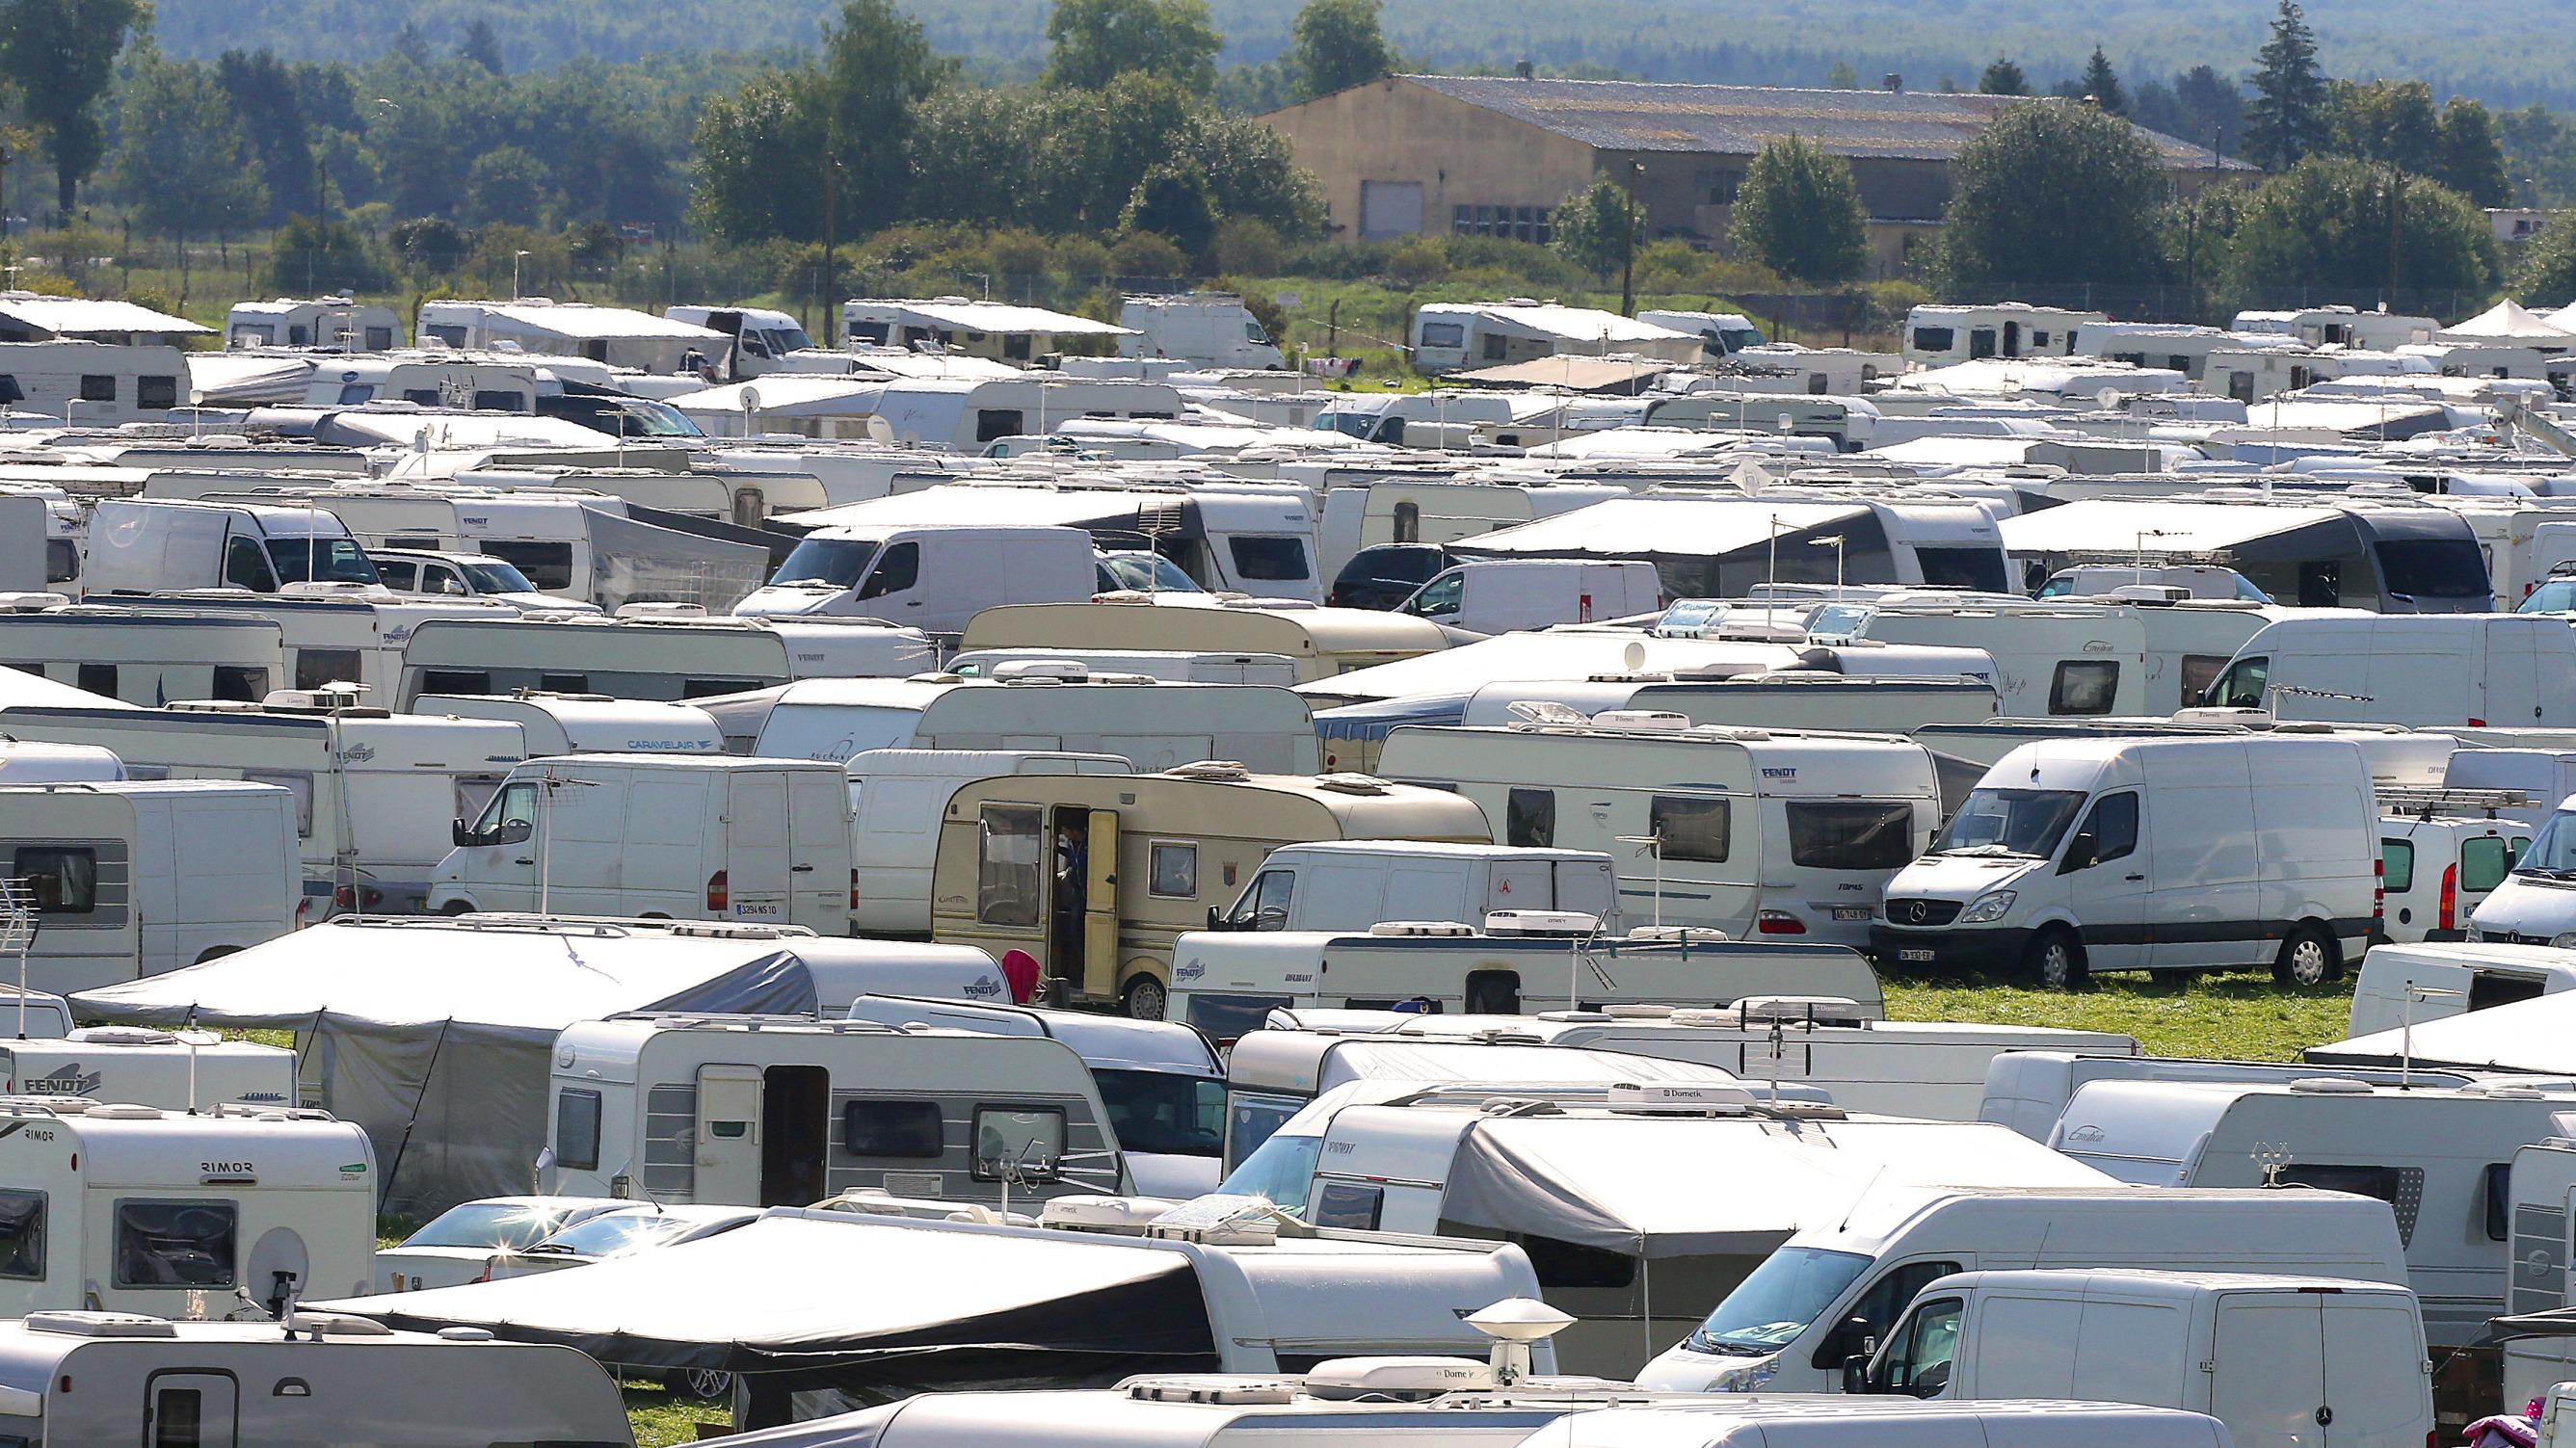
<point>137,877</point>
<point>1782,834</point>
<point>765,841</point>
<point>2425,670</point>
<point>1355,884</point>
<point>1209,328</point>
<point>2536,902</point>
<point>2438,868</point>
<point>1824,1295</point>
<point>153,547</point>
<point>2149,854</point>
<point>929,577</point>
<point>145,1067</point>
<point>2275,1358</point>
<point>1498,595</point>
<point>219,1212</point>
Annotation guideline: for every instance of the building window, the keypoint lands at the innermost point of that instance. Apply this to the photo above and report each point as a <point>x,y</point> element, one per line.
<point>1462,220</point>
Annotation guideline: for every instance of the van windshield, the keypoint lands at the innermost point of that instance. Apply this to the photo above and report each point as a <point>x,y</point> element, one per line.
<point>1280,1172</point>
<point>320,560</point>
<point>2552,852</point>
<point>2010,822</point>
<point>1769,1308</point>
<point>829,562</point>
<point>1164,1112</point>
<point>491,575</point>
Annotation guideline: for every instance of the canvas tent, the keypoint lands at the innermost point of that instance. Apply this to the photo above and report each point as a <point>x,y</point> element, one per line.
<point>2535,1036</point>
<point>2509,323</point>
<point>436,1033</point>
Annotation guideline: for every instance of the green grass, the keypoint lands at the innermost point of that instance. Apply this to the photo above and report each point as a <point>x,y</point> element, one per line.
<point>2240,1015</point>
<point>662,1417</point>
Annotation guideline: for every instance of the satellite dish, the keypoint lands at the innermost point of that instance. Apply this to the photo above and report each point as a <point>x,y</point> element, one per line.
<point>751,399</point>
<point>1633,657</point>
<point>2108,397</point>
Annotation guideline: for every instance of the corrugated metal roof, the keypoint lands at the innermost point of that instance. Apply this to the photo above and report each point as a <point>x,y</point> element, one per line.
<point>1734,120</point>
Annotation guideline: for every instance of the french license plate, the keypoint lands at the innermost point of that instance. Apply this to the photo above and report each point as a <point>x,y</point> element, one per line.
<point>1914,955</point>
<point>1852,912</point>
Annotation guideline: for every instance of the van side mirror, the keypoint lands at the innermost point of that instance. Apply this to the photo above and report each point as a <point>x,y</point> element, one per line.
<point>459,833</point>
<point>1214,921</point>
<point>1856,1373</point>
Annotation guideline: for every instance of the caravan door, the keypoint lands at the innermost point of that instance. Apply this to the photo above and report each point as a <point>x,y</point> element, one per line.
<point>758,863</point>
<point>728,1157</point>
<point>191,1410</point>
<point>1100,905</point>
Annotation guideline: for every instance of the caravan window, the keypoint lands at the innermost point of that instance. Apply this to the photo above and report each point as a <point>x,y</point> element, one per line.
<point>1007,853</point>
<point>1529,818</point>
<point>2199,671</point>
<point>62,560</point>
<point>1850,835</point>
<point>1351,1205</point>
<point>546,567</point>
<point>22,1235</point>
<point>455,681</point>
<point>577,1130</point>
<point>1444,334</point>
<point>296,783</point>
<point>1174,872</point>
<point>96,678</point>
<point>176,1244</point>
<point>993,422</point>
<point>1690,829</point>
<point>2402,1187</point>
<point>496,401</point>
<point>1025,1143</point>
<point>1934,339</point>
<point>909,1130</point>
<point>156,392</point>
<point>897,570</point>
<point>2499,1194</point>
<point>321,668</point>
<point>2084,686</point>
<point>64,879</point>
<point>1963,568</point>
<point>97,387</point>
<point>1268,559</point>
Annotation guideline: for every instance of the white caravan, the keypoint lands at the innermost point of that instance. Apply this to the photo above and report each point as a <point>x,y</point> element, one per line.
<point>99,383</point>
<point>650,654</point>
<point>1210,328</point>
<point>616,336</point>
<point>760,841</point>
<point>1749,831</point>
<point>145,1067</point>
<point>897,799</point>
<point>221,1213</point>
<point>2543,1182</point>
<point>1356,884</point>
<point>139,877</point>
<point>1161,1081</point>
<point>2273,1357</point>
<point>335,634</point>
<point>142,657</point>
<point>2149,854</point>
<point>1448,336</point>
<point>2433,980</point>
<point>2440,1157</point>
<point>959,327</point>
<point>1711,544</point>
<point>554,723</point>
<point>2498,670</point>
<point>763,1111</point>
<point>330,324</point>
<point>1498,595</point>
<point>136,546</point>
<point>1936,336</point>
<point>2028,1090</point>
<point>2072,657</point>
<point>930,578</point>
<point>151,1381</point>
<point>1825,1294</point>
<point>1154,726</point>
<point>1176,666</point>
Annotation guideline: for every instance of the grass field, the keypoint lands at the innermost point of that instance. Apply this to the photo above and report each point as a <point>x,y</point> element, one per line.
<point>2241,1015</point>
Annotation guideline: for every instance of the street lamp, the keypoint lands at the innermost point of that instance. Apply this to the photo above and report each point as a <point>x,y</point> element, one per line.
<point>516,259</point>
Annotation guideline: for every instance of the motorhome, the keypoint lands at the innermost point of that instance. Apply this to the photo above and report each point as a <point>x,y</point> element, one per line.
<point>1152,725</point>
<point>139,657</point>
<point>158,1382</point>
<point>2488,669</point>
<point>1321,642</point>
<point>763,1111</point>
<point>927,577</point>
<point>2123,655</point>
<point>334,634</point>
<point>2027,1090</point>
<point>2190,853</point>
<point>1355,884</point>
<point>1000,331</point>
<point>154,547</point>
<point>761,342</point>
<point>1753,832</point>
<point>1449,336</point>
<point>761,841</point>
<point>557,723</point>
<point>1494,595</point>
<point>616,336</point>
<point>897,800</point>
<point>649,655</point>
<point>2271,1356</point>
<point>221,1213</point>
<point>1721,334</point>
<point>1936,336</point>
<point>2403,984</point>
<point>138,877</point>
<point>1096,876</point>
<point>2440,1157</point>
<point>1209,328</point>
<point>1161,1081</point>
<point>99,383</point>
<point>1178,666</point>
<point>145,1067</point>
<point>2384,557</point>
<point>1823,1295</point>
<point>1708,544</point>
<point>330,324</point>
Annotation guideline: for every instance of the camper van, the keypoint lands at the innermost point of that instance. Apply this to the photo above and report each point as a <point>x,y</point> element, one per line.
<point>2273,1357</point>
<point>897,799</point>
<point>1209,328</point>
<point>2149,854</point>
<point>217,1214</point>
<point>141,657</point>
<point>155,547</point>
<point>762,1111</point>
<point>219,1384</point>
<point>144,1067</point>
<point>139,877</point>
<point>2028,1090</point>
<point>1749,831</point>
<point>650,654</point>
<point>1493,595</point>
<point>762,841</point>
<point>2504,670</point>
<point>930,578</point>
<point>1096,876</point>
<point>1825,1294</point>
<point>1036,706</point>
<point>1322,642</point>
<point>1355,884</point>
<point>1161,1081</point>
<point>554,723</point>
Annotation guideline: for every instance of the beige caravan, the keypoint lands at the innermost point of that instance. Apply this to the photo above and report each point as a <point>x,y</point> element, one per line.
<point>1321,641</point>
<point>1096,875</point>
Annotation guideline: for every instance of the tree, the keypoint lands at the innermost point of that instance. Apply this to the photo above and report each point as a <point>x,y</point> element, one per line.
<point>430,243</point>
<point>2388,121</point>
<point>264,100</point>
<point>2103,84</point>
<point>61,54</point>
<point>1594,228</point>
<point>1172,202</point>
<point>2326,223</point>
<point>2286,119</point>
<point>755,161</point>
<point>2211,106</point>
<point>876,66</point>
<point>2470,158</point>
<point>2546,273</point>
<point>505,183</point>
<point>2002,78</point>
<point>411,44</point>
<point>180,154</point>
<point>1798,213</point>
<point>1842,77</point>
<point>305,261</point>
<point>1093,42</point>
<point>1336,44</point>
<point>481,46</point>
<point>2051,191</point>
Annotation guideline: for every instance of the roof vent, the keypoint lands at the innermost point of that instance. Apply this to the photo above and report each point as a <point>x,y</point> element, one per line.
<point>1639,1011</point>
<point>1347,783</point>
<point>1678,935</point>
<point>1381,1379</point>
<point>2330,1086</point>
<point>1547,924</point>
<point>31,602</point>
<point>1813,1010</point>
<point>122,1111</point>
<point>1052,670</point>
<point>660,610</point>
<point>1412,929</point>
<point>1214,1388</point>
<point>1227,770</point>
<point>100,1324</point>
<point>1641,721</point>
<point>343,1324</point>
<point>1667,1098</point>
<point>462,1333</point>
<point>1115,1216</point>
<point>122,1036</point>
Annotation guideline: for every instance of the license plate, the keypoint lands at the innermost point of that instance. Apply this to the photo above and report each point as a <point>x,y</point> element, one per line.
<point>1852,912</point>
<point>1914,955</point>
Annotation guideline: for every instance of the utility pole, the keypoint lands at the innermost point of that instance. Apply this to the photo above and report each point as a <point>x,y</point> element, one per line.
<point>1628,244</point>
<point>321,210</point>
<point>831,206</point>
<point>2396,211</point>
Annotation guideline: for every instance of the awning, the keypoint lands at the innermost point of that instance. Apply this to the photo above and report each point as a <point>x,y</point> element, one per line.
<point>2533,1037</point>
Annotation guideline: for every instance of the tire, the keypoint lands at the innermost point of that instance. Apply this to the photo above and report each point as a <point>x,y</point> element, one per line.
<point>217,952</point>
<point>1144,999</point>
<point>708,1383</point>
<point>457,907</point>
<point>2310,957</point>
<point>2054,960</point>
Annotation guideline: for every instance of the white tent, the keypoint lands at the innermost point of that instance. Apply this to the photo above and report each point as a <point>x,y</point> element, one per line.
<point>2509,323</point>
<point>2535,1036</point>
<point>436,1033</point>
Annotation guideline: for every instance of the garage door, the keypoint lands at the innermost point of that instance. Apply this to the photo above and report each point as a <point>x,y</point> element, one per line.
<point>1390,208</point>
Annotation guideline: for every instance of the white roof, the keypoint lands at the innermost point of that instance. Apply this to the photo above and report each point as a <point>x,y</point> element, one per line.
<point>582,322</point>
<point>2536,1035</point>
<point>83,316</point>
<point>1839,1421</point>
<point>2508,321</point>
<point>1696,526</point>
<point>1550,654</point>
<point>2117,525</point>
<point>1562,323</point>
<point>973,316</point>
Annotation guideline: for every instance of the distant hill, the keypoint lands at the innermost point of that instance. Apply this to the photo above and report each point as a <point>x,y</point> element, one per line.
<point>2507,55</point>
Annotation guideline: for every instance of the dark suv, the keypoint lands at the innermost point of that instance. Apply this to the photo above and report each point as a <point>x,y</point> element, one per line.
<point>1386,575</point>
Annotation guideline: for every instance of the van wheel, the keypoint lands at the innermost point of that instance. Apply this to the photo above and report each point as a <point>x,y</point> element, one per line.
<point>700,1382</point>
<point>456,907</point>
<point>1144,999</point>
<point>2055,960</point>
<point>2309,957</point>
<point>218,952</point>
